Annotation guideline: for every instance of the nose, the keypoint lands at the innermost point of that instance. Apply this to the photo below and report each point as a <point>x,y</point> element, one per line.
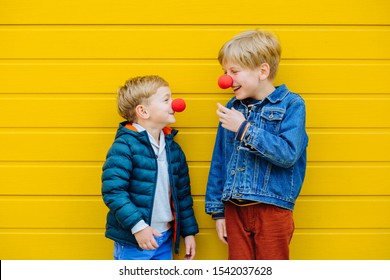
<point>178,105</point>
<point>225,81</point>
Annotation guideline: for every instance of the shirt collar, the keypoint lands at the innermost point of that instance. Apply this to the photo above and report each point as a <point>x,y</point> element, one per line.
<point>159,148</point>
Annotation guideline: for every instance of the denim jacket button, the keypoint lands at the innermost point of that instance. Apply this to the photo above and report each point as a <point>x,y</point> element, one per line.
<point>232,172</point>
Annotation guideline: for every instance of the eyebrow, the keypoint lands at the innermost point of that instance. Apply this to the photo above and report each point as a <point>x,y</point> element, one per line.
<point>234,68</point>
<point>166,95</point>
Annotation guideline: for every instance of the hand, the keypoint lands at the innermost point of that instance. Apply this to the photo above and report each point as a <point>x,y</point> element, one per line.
<point>190,244</point>
<point>145,238</point>
<point>220,225</point>
<point>231,119</point>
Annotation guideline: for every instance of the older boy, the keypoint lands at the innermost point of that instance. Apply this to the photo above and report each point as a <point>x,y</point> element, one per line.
<point>259,159</point>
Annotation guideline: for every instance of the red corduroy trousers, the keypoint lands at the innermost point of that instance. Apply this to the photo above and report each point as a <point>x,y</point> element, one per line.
<point>258,232</point>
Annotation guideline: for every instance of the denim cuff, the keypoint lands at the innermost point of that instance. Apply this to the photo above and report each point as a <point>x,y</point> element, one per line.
<point>242,131</point>
<point>217,216</point>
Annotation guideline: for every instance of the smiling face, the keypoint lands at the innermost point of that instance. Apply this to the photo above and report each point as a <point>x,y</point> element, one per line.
<point>246,82</point>
<point>159,108</point>
<point>251,58</point>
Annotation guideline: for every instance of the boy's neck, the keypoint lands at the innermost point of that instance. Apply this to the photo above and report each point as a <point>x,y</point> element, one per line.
<point>153,130</point>
<point>265,90</point>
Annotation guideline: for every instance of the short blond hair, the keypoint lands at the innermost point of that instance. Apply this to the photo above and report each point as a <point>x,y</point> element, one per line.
<point>137,91</point>
<point>252,48</point>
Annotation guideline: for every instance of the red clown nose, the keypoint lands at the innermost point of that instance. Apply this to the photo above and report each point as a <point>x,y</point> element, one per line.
<point>225,81</point>
<point>178,105</point>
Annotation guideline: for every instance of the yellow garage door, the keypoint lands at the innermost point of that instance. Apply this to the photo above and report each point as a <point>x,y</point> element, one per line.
<point>61,63</point>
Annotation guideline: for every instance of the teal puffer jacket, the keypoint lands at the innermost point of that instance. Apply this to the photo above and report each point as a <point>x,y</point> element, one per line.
<point>129,183</point>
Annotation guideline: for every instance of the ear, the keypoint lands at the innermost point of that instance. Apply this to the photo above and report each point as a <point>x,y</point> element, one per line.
<point>264,70</point>
<point>142,112</point>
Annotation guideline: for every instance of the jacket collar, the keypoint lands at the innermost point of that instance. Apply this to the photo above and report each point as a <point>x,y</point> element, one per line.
<point>167,130</point>
<point>278,94</point>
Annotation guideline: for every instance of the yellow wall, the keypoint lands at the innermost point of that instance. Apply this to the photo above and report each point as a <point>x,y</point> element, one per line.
<point>62,61</point>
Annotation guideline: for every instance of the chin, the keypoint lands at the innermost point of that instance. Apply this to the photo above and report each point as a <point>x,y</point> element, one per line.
<point>240,97</point>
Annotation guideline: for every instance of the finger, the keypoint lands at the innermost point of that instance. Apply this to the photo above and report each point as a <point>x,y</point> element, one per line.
<point>153,244</point>
<point>156,233</point>
<point>190,250</point>
<point>222,108</point>
<point>223,238</point>
<point>220,114</point>
<point>190,254</point>
<point>221,230</point>
<point>150,246</point>
<point>224,233</point>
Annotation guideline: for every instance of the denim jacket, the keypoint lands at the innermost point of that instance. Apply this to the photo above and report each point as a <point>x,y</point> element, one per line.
<point>268,163</point>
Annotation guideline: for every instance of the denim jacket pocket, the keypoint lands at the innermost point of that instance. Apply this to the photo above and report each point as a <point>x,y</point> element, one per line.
<point>271,119</point>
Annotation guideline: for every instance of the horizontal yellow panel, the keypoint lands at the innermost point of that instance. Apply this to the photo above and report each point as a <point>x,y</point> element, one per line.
<point>53,212</point>
<point>55,245</point>
<point>70,111</point>
<point>92,145</point>
<point>101,111</point>
<point>84,179</point>
<point>55,146</point>
<point>188,76</point>
<point>347,145</point>
<point>189,42</point>
<point>340,245</point>
<point>305,245</point>
<point>90,212</point>
<point>193,12</point>
<point>50,179</point>
<point>334,77</point>
<point>347,179</point>
<point>342,212</point>
<point>347,111</point>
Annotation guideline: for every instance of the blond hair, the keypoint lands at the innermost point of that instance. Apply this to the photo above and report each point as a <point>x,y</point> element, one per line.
<point>252,48</point>
<point>137,91</point>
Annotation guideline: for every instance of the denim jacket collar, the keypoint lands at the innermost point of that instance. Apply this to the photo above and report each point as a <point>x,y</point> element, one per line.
<point>278,94</point>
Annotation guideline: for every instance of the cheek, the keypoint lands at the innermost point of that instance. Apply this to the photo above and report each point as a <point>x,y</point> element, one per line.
<point>251,81</point>
<point>237,79</point>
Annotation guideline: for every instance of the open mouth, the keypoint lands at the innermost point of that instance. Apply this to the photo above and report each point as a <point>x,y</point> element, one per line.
<point>236,88</point>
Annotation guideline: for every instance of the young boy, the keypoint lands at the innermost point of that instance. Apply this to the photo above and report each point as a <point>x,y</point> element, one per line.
<point>145,181</point>
<point>259,159</point>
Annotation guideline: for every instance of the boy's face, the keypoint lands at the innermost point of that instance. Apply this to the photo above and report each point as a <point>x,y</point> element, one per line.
<point>160,107</point>
<point>246,82</point>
